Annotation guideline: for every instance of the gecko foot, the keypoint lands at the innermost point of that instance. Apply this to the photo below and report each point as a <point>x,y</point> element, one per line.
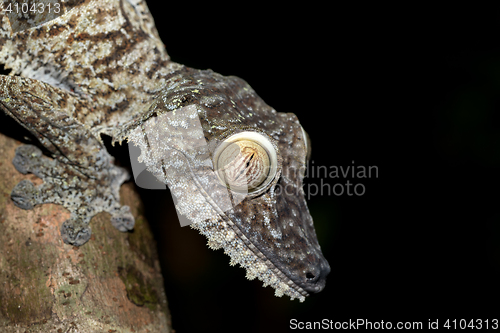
<point>24,194</point>
<point>79,173</point>
<point>84,191</point>
<point>75,232</point>
<point>123,219</point>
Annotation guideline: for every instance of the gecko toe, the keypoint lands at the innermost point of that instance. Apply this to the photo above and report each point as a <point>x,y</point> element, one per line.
<point>24,194</point>
<point>26,157</point>
<point>123,219</point>
<point>75,232</point>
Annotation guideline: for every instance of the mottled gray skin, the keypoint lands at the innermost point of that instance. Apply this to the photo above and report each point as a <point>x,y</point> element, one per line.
<point>101,69</point>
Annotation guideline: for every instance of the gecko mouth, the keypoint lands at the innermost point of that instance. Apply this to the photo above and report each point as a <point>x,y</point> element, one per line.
<point>305,270</point>
<point>312,280</point>
<point>313,270</point>
<point>281,232</point>
<point>224,232</point>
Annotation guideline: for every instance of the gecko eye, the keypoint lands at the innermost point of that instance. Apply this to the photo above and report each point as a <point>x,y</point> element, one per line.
<point>246,162</point>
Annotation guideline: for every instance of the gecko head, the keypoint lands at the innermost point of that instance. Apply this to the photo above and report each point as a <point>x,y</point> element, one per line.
<point>263,174</point>
<point>235,168</point>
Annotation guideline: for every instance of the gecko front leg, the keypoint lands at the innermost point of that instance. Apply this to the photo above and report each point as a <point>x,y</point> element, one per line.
<point>81,177</point>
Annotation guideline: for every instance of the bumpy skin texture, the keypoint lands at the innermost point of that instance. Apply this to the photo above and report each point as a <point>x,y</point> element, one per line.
<point>101,69</point>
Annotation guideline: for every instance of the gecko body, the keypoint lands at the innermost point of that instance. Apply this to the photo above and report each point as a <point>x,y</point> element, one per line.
<point>101,69</point>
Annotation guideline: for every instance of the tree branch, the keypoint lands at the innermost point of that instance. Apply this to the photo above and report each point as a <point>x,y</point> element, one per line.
<point>111,284</point>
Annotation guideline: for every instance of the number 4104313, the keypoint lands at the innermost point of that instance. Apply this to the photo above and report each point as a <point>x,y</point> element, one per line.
<point>471,324</point>
<point>34,8</point>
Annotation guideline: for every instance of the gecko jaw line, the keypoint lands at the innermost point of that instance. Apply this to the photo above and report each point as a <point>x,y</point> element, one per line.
<point>245,240</point>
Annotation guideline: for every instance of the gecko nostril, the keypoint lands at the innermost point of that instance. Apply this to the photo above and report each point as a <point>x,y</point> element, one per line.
<point>315,277</point>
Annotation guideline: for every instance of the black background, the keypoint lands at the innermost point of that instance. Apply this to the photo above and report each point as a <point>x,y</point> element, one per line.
<point>413,91</point>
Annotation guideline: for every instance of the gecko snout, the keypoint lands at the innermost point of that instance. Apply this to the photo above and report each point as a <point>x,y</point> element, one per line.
<point>315,279</point>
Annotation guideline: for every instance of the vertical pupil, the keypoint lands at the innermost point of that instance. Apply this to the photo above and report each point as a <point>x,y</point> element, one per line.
<point>244,165</point>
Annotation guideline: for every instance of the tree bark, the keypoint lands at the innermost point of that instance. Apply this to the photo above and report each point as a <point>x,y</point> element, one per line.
<point>113,283</point>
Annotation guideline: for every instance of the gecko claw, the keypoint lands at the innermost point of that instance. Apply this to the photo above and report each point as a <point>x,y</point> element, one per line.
<point>123,219</point>
<point>75,232</point>
<point>24,194</point>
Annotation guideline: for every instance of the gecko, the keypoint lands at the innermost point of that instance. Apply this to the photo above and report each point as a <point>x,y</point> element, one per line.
<point>235,165</point>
